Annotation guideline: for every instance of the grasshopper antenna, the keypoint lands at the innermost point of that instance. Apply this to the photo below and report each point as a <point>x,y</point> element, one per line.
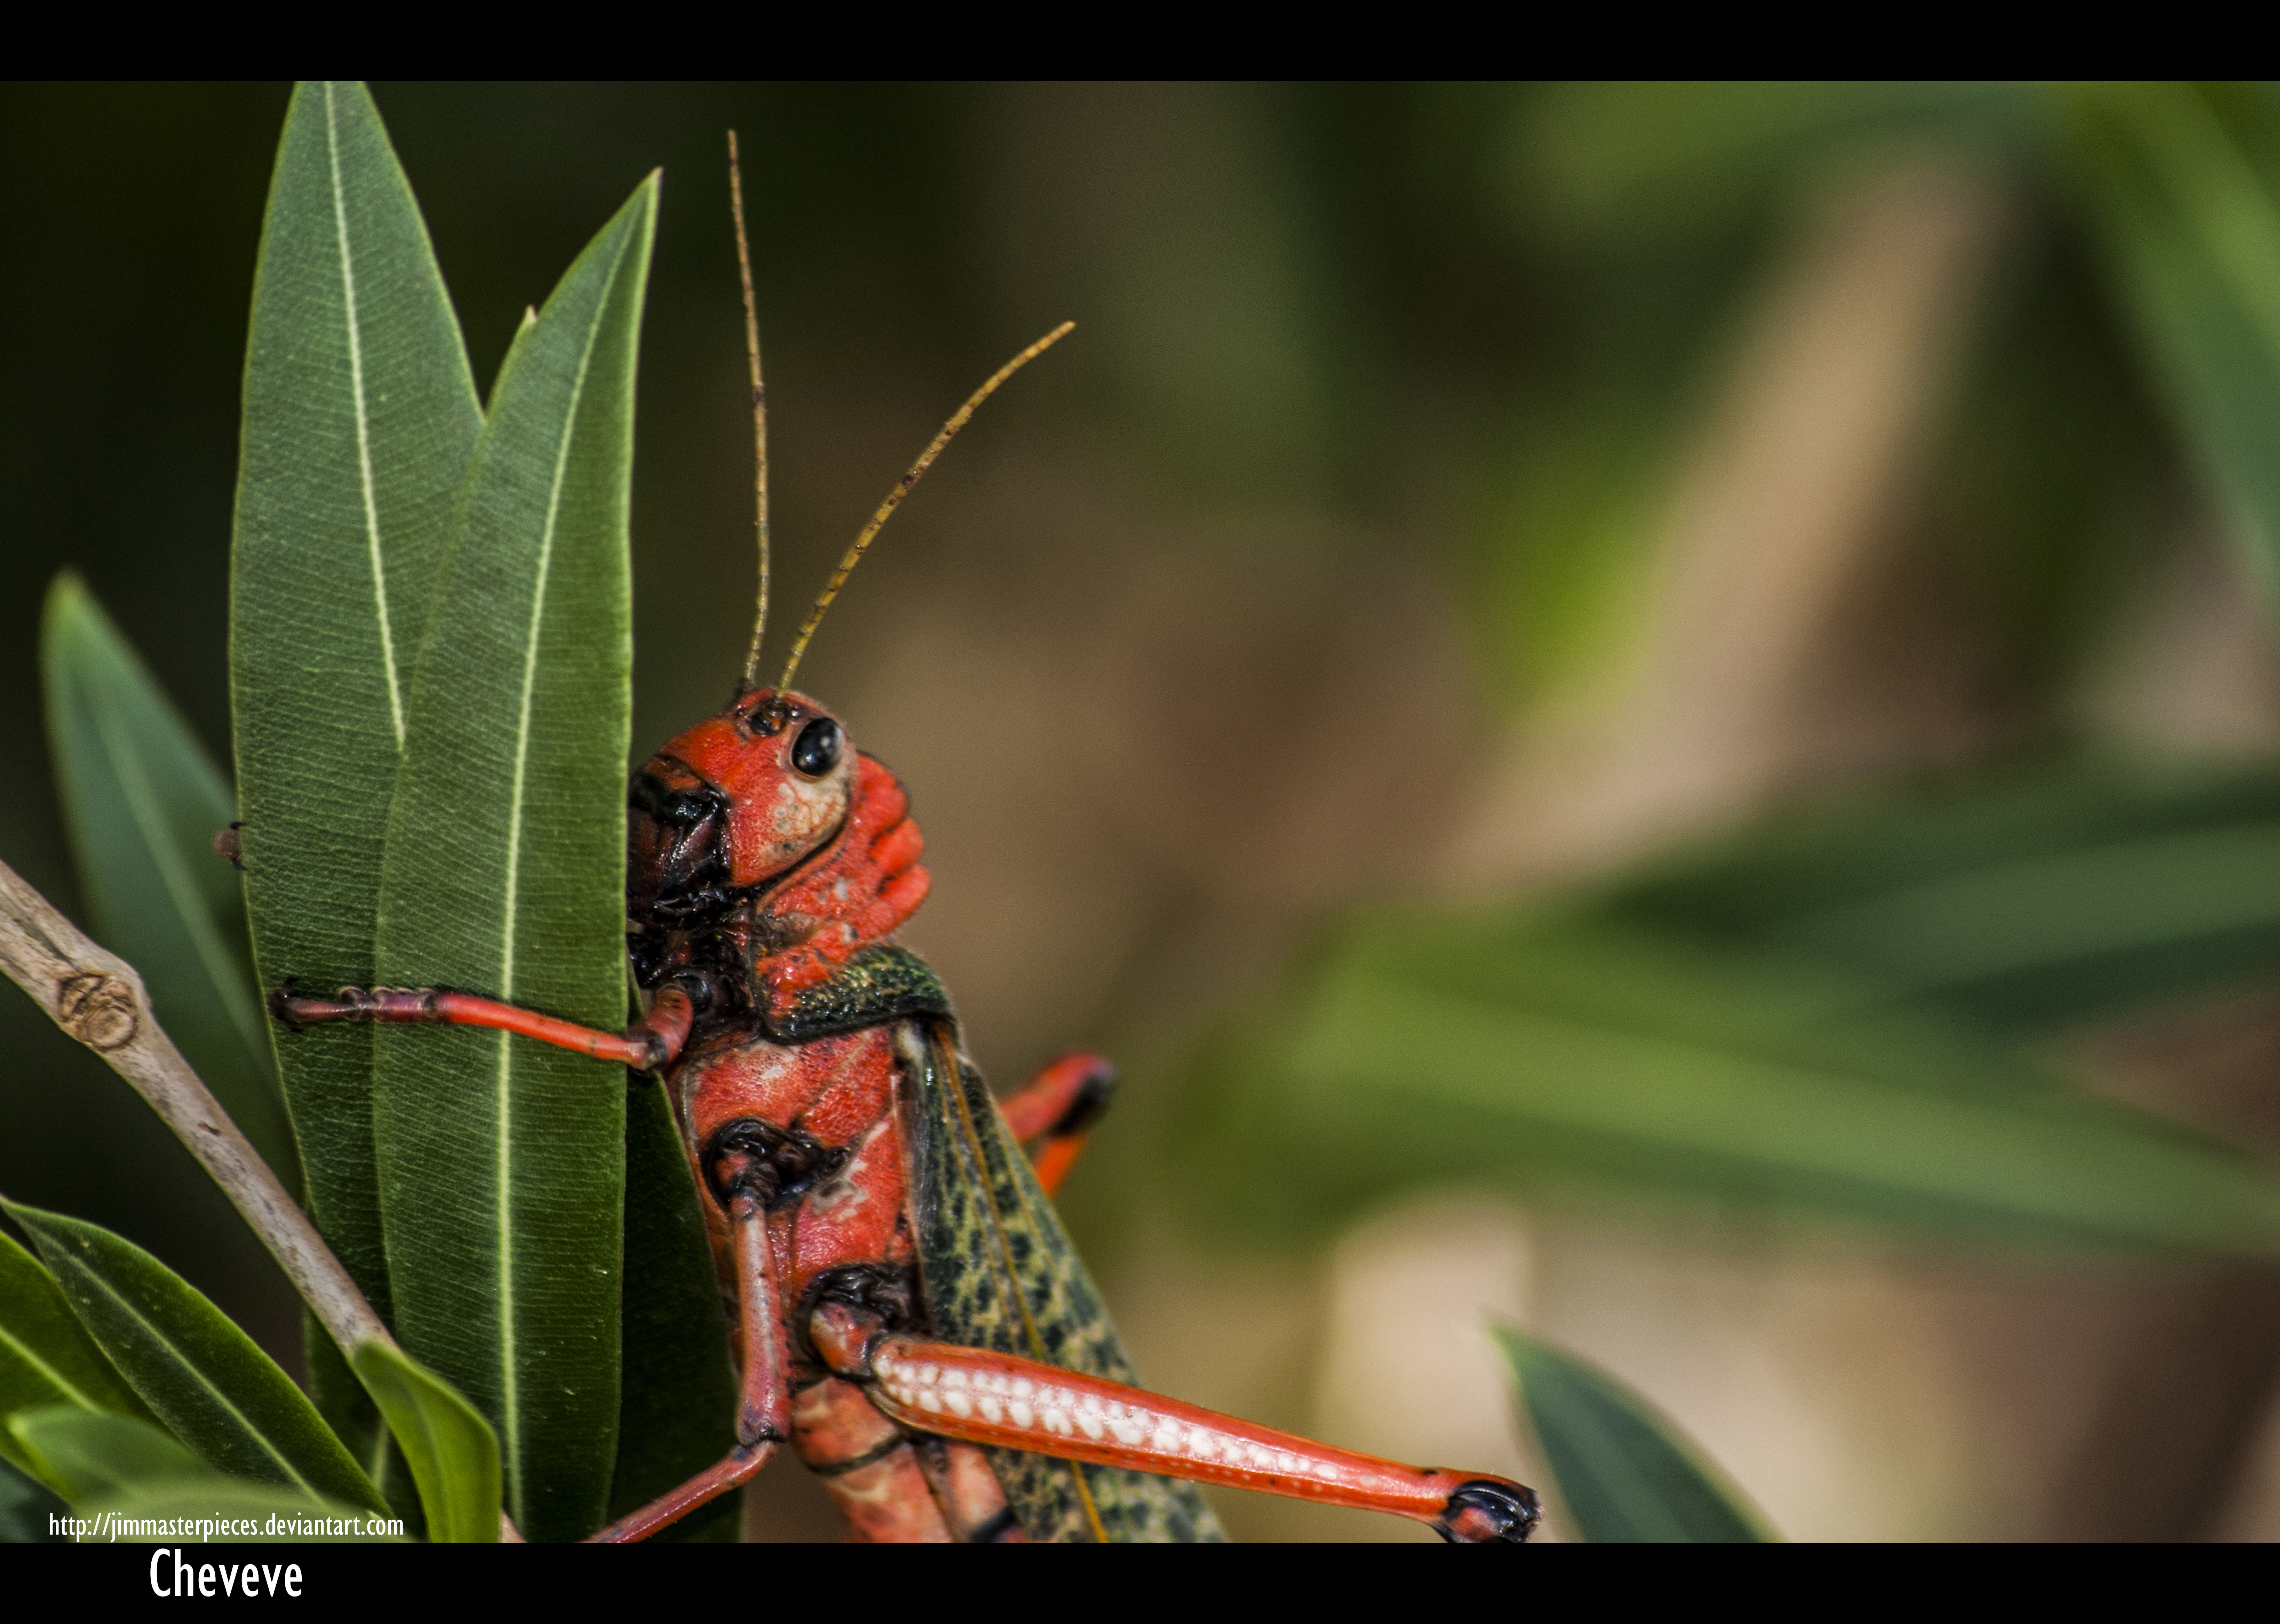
<point>854,555</point>
<point>760,414</point>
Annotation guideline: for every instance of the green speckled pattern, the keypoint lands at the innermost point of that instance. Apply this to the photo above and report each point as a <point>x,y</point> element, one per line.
<point>878,985</point>
<point>998,1272</point>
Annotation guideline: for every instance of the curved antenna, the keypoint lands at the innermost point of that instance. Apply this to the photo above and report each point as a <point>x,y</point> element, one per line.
<point>760,415</point>
<point>854,555</point>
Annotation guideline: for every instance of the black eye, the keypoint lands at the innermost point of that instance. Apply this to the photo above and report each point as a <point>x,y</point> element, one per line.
<point>816,750</point>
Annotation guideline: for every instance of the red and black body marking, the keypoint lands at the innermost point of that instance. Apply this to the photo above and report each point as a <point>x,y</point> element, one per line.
<point>898,1276</point>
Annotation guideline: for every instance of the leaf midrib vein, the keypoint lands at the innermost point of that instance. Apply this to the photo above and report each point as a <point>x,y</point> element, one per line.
<point>509,1393</point>
<point>363,424</point>
<point>166,1348</point>
<point>55,1378</point>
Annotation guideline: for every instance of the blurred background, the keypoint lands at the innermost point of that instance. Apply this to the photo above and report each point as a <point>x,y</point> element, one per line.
<point>1748,607</point>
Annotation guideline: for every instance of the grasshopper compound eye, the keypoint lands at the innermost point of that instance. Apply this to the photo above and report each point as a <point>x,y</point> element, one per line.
<point>816,750</point>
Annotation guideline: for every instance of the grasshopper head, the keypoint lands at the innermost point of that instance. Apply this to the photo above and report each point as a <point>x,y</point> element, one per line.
<point>768,801</point>
<point>734,802</point>
<point>781,772</point>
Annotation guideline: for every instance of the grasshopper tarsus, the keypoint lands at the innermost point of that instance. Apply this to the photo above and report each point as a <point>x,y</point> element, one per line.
<point>1489,1512</point>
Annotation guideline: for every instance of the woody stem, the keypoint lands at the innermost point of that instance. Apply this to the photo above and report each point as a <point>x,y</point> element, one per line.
<point>95,996</point>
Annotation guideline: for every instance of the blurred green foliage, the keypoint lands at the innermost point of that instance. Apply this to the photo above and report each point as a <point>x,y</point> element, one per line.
<point>143,802</point>
<point>1824,1021</point>
<point>1837,1018</point>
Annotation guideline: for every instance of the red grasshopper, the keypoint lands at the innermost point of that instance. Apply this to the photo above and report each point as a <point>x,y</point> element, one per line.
<point>908,1312</point>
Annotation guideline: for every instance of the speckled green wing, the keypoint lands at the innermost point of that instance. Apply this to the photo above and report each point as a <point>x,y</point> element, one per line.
<point>998,1272</point>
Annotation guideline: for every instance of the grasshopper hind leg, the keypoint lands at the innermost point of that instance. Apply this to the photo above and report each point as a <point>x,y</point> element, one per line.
<point>871,1470</point>
<point>976,1396</point>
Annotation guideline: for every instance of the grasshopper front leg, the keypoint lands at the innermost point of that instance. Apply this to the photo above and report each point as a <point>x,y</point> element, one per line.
<point>980,1396</point>
<point>653,1041</point>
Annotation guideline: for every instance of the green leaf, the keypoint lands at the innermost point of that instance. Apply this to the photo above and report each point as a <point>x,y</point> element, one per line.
<point>452,1451</point>
<point>360,417</point>
<point>129,1476</point>
<point>2022,901</point>
<point>349,1410</point>
<point>140,1486</point>
<point>26,1504</point>
<point>678,1400</point>
<point>143,803</point>
<point>1575,1056</point>
<point>45,1357</point>
<point>85,1453</point>
<point>502,1161</point>
<point>203,1376</point>
<point>2191,228</point>
<point>1625,1474</point>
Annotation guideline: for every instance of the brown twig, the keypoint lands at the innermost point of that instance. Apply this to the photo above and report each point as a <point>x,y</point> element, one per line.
<point>97,996</point>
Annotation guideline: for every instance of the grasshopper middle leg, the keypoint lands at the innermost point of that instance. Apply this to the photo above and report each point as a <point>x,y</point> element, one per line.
<point>1056,1109</point>
<point>764,1398</point>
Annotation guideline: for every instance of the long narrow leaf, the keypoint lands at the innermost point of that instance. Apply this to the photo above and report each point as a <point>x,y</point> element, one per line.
<point>502,1161</point>
<point>45,1357</point>
<point>452,1451</point>
<point>360,416</point>
<point>340,1397</point>
<point>2021,901</point>
<point>2192,231</point>
<point>85,1453</point>
<point>143,803</point>
<point>138,1485</point>
<point>1576,1057</point>
<point>203,1376</point>
<point>1625,1476</point>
